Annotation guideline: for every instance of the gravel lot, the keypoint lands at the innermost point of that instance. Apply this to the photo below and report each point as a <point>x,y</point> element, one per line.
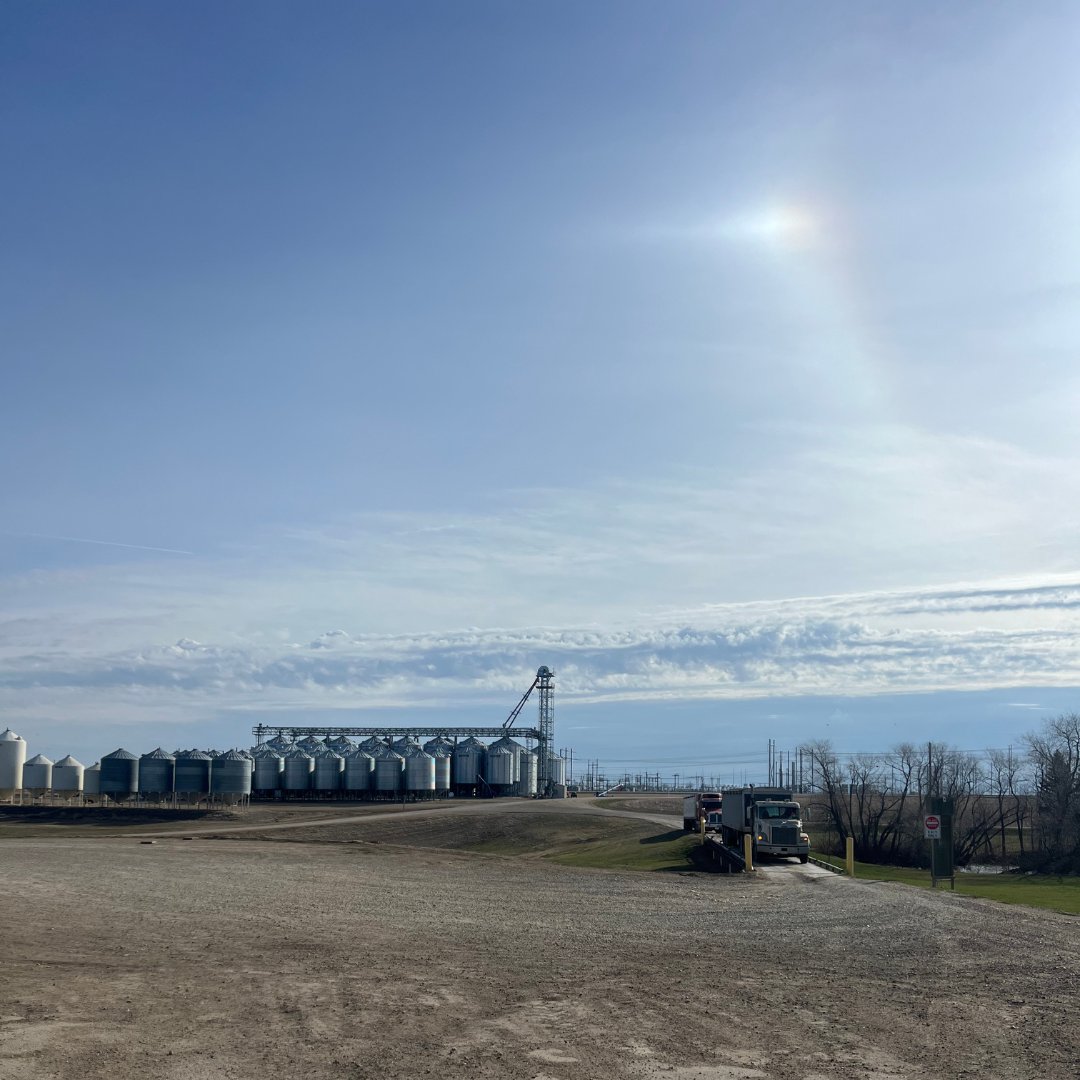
<point>186,960</point>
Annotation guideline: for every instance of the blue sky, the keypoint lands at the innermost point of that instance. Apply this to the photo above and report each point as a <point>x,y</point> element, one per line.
<point>360,359</point>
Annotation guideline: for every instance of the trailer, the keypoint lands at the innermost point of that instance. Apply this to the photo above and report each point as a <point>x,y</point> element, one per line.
<point>770,816</point>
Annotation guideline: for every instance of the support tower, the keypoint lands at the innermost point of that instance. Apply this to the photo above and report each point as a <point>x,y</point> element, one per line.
<point>545,683</point>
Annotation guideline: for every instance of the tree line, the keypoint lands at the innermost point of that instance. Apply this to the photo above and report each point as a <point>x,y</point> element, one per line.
<point>1020,807</point>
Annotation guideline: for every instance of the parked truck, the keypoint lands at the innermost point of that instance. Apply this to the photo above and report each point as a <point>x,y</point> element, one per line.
<point>770,816</point>
<point>698,806</point>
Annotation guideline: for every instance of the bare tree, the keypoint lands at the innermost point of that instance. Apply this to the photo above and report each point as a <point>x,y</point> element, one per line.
<point>1055,755</point>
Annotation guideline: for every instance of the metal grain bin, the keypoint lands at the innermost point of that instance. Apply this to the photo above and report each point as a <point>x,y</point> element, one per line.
<point>298,769</point>
<point>500,766</point>
<point>528,766</point>
<point>92,779</point>
<point>341,745</point>
<point>269,765</point>
<point>389,769</point>
<point>372,742</point>
<point>329,771</point>
<point>515,749</point>
<point>279,743</point>
<point>419,769</point>
<point>359,771</point>
<point>12,760</point>
<point>67,774</point>
<point>119,775</point>
<point>557,770</point>
<point>37,774</point>
<point>468,761</point>
<point>310,744</point>
<point>441,750</point>
<point>230,776</point>
<point>156,773</point>
<point>192,773</point>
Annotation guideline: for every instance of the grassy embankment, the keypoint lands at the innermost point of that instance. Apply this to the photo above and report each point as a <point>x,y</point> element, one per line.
<point>594,842</point>
<point>1034,890</point>
<point>664,851</point>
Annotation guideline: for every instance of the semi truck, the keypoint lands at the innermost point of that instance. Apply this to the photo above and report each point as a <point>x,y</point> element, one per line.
<point>770,816</point>
<point>698,806</point>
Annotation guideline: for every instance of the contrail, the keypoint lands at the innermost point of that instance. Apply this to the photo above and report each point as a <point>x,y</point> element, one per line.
<point>103,543</point>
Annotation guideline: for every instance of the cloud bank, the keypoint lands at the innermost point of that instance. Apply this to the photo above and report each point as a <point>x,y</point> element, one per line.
<point>847,645</point>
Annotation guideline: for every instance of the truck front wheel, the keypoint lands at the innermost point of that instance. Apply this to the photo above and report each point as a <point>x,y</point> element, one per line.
<point>804,859</point>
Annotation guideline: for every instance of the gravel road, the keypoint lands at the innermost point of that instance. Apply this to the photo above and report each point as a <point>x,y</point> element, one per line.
<point>186,960</point>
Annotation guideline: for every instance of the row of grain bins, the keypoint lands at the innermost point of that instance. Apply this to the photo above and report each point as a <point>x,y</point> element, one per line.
<point>310,768</point>
<point>156,776</point>
<point>380,768</point>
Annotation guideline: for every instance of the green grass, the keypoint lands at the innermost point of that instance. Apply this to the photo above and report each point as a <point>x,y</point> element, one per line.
<point>664,851</point>
<point>1034,890</point>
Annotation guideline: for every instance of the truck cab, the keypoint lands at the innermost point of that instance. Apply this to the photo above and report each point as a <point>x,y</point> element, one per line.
<point>778,830</point>
<point>771,817</point>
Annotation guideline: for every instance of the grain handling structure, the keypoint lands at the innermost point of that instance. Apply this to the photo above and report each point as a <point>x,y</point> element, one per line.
<point>543,733</point>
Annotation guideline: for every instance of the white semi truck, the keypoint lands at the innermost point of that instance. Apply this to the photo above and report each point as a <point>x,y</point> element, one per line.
<point>770,816</point>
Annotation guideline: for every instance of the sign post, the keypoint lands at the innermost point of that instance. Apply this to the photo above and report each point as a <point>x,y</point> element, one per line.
<point>937,826</point>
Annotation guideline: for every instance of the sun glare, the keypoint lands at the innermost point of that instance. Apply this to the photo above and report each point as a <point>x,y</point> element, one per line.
<point>788,226</point>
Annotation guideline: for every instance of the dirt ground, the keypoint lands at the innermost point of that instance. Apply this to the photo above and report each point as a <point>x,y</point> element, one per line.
<point>297,957</point>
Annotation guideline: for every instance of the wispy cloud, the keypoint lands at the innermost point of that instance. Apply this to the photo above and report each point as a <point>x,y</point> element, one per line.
<point>100,543</point>
<point>787,580</point>
<point>866,644</point>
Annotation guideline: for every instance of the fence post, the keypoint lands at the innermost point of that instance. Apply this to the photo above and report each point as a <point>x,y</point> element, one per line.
<point>850,856</point>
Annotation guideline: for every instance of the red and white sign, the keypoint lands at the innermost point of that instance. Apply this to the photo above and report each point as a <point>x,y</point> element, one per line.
<point>932,824</point>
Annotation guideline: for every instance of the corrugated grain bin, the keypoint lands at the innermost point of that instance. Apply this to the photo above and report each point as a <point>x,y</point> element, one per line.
<point>441,750</point>
<point>156,773</point>
<point>468,761</point>
<point>269,766</point>
<point>298,769</point>
<point>527,772</point>
<point>92,779</point>
<point>359,771</point>
<point>37,774</point>
<point>12,760</point>
<point>419,769</point>
<point>389,769</point>
<point>329,772</point>
<point>514,749</point>
<point>557,770</point>
<point>500,766</point>
<point>119,775</point>
<point>230,775</point>
<point>67,774</point>
<point>192,772</point>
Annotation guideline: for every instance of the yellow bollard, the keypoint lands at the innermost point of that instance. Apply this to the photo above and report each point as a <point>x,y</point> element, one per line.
<point>850,856</point>
<point>748,850</point>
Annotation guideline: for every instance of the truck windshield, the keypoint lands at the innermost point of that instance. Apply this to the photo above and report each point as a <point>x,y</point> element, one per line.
<point>778,811</point>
